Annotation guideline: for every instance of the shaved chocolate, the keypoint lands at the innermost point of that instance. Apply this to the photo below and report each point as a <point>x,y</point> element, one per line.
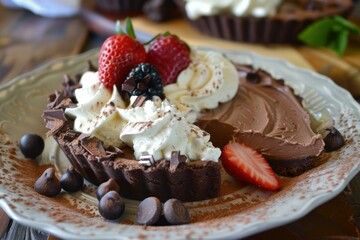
<point>56,99</point>
<point>128,85</point>
<point>116,150</point>
<point>147,159</point>
<point>70,135</point>
<point>83,136</point>
<point>176,159</point>
<point>93,146</point>
<point>140,100</point>
<point>53,114</point>
<point>54,126</point>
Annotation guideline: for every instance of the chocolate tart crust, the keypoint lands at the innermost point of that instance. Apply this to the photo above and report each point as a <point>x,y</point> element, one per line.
<point>190,181</point>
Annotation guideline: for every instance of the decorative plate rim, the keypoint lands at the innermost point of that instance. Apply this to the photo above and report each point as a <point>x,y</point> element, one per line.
<point>253,228</point>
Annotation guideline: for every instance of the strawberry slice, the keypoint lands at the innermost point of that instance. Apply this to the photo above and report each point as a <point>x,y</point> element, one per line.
<point>247,165</point>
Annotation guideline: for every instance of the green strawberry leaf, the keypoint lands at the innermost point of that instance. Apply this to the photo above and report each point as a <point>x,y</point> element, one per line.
<point>129,28</point>
<point>118,29</point>
<point>330,32</point>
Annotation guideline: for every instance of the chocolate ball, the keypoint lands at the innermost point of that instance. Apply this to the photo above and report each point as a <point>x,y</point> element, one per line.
<point>175,212</point>
<point>71,180</point>
<point>105,187</point>
<point>48,184</point>
<point>149,211</point>
<point>333,140</point>
<point>31,145</point>
<point>111,206</point>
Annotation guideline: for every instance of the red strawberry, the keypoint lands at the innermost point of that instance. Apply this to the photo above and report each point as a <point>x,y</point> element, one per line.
<point>170,56</point>
<point>246,164</point>
<point>118,55</point>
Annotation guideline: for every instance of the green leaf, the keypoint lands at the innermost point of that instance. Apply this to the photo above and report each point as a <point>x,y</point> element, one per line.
<point>129,28</point>
<point>316,35</point>
<point>331,32</point>
<point>118,29</point>
<point>353,28</point>
<point>339,43</point>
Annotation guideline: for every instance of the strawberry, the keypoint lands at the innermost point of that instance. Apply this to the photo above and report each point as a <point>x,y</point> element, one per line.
<point>169,55</point>
<point>245,164</point>
<point>118,55</point>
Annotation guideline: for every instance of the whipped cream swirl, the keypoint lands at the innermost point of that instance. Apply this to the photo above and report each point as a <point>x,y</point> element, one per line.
<point>258,8</point>
<point>159,128</point>
<point>96,112</point>
<point>210,79</point>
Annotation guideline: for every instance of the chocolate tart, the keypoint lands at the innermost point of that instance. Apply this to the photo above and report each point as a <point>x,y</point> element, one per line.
<point>120,6</point>
<point>284,27</point>
<point>266,115</point>
<point>165,179</point>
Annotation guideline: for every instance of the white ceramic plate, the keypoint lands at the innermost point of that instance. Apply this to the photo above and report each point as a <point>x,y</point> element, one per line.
<point>245,210</point>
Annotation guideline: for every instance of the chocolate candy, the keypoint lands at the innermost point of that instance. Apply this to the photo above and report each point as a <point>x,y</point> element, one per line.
<point>111,206</point>
<point>105,187</point>
<point>253,77</point>
<point>175,212</point>
<point>149,211</point>
<point>48,184</point>
<point>71,180</point>
<point>31,145</point>
<point>333,140</point>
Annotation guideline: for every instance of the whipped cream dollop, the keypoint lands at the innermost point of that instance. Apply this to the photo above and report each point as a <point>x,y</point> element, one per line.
<point>258,8</point>
<point>210,79</point>
<point>96,112</point>
<point>158,128</point>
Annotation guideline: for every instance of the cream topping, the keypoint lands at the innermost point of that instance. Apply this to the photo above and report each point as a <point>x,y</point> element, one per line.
<point>210,79</point>
<point>96,112</point>
<point>258,8</point>
<point>157,127</point>
<point>159,130</point>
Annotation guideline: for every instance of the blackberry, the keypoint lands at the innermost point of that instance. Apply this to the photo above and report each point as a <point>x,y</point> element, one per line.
<point>143,80</point>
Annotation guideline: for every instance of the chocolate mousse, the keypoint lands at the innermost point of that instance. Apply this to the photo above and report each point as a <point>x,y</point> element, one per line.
<point>266,115</point>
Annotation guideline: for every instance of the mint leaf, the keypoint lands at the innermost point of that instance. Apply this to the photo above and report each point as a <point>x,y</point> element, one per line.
<point>339,42</point>
<point>317,34</point>
<point>353,28</point>
<point>330,32</point>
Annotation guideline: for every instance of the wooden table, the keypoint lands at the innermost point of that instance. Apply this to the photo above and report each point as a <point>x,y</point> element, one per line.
<point>27,41</point>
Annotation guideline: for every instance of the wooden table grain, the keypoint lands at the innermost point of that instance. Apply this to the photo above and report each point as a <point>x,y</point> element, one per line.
<point>27,41</point>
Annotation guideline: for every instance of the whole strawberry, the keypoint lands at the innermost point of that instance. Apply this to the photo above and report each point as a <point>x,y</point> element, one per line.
<point>118,55</point>
<point>169,55</point>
